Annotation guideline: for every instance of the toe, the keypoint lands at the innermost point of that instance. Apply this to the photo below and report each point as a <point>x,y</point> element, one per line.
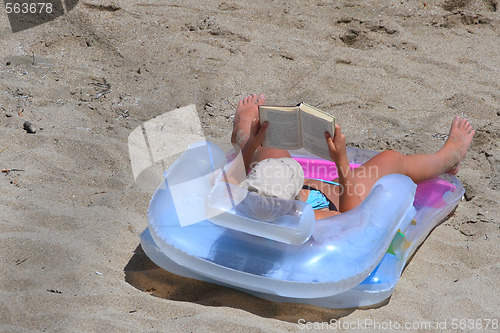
<point>253,99</point>
<point>261,100</point>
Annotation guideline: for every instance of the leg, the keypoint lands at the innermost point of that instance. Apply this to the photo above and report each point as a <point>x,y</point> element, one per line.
<point>418,167</point>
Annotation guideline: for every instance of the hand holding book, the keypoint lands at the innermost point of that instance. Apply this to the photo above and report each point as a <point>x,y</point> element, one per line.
<point>294,127</point>
<point>336,145</point>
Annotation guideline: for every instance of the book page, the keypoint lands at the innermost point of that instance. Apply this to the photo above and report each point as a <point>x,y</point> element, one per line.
<point>314,125</point>
<point>283,131</point>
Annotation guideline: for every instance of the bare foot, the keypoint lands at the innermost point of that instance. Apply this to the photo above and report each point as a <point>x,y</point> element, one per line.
<point>246,112</point>
<point>459,141</point>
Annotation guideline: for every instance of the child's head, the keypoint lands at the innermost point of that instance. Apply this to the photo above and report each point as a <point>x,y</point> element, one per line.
<point>281,178</point>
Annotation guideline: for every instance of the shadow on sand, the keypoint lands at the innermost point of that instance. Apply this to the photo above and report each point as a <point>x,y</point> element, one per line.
<point>146,276</point>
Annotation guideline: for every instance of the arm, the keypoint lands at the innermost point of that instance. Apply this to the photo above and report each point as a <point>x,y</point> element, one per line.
<point>254,141</point>
<point>337,149</point>
<point>257,135</point>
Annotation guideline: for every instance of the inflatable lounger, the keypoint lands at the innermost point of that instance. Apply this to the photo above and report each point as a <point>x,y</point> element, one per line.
<point>218,232</point>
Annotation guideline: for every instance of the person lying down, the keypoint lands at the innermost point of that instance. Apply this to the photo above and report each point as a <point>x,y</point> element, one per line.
<point>273,173</point>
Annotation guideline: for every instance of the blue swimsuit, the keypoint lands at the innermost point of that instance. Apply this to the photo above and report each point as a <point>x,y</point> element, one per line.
<point>318,199</point>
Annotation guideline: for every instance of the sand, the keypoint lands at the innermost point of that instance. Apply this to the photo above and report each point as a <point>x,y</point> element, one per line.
<point>393,73</point>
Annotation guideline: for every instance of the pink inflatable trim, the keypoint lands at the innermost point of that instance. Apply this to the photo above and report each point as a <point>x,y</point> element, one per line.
<point>320,169</point>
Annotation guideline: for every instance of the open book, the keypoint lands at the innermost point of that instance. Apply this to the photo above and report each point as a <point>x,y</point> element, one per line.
<point>294,127</point>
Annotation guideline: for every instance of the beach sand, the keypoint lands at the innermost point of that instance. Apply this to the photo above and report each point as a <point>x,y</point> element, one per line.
<point>393,73</point>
